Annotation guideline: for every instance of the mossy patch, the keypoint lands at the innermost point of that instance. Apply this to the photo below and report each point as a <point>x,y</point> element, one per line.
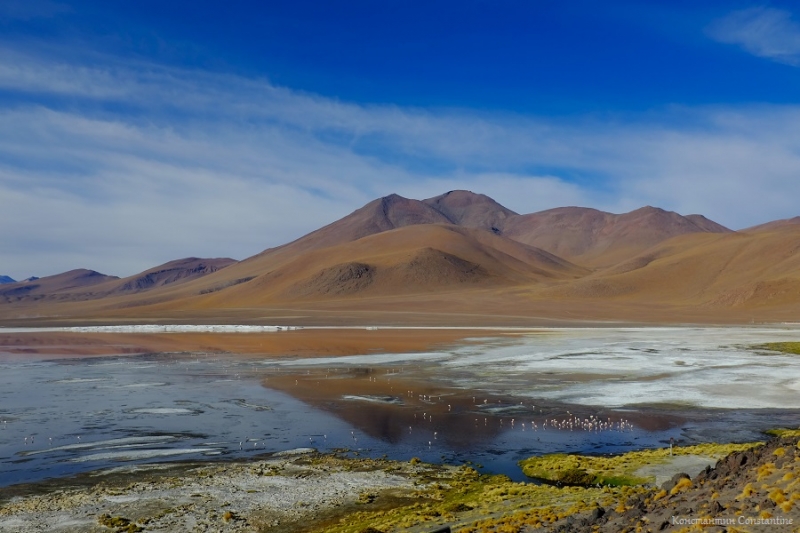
<point>616,470</point>
<point>783,432</point>
<point>783,347</point>
<point>118,523</point>
<point>469,501</point>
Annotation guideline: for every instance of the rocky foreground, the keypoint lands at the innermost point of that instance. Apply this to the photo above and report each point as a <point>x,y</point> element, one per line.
<point>753,489</point>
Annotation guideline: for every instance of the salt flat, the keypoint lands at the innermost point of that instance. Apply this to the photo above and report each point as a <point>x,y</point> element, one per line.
<point>615,367</point>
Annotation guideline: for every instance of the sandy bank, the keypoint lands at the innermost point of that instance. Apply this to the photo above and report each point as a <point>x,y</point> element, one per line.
<point>300,342</point>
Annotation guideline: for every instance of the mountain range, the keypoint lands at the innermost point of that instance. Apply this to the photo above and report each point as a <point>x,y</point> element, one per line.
<point>457,258</point>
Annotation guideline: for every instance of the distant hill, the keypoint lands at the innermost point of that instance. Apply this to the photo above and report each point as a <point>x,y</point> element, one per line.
<point>82,284</point>
<point>79,280</point>
<point>178,271</point>
<point>6,279</point>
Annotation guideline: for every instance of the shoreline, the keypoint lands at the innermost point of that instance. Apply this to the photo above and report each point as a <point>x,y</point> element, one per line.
<point>304,490</point>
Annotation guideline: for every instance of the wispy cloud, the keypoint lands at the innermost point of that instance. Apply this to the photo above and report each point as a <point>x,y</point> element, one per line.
<point>761,31</point>
<point>31,9</point>
<point>120,166</point>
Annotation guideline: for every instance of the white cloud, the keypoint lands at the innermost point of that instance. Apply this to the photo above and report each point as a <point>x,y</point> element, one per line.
<point>761,31</point>
<point>119,167</point>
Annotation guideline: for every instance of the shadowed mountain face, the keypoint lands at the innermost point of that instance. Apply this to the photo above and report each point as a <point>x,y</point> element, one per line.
<point>463,254</point>
<point>6,279</point>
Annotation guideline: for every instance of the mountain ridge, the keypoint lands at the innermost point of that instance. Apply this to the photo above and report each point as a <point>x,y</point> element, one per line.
<point>462,254</point>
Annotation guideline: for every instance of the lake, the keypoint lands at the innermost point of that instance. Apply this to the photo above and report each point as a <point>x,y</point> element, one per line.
<point>489,401</point>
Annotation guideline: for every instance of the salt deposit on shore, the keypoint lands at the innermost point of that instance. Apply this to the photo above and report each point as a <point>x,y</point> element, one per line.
<point>215,497</point>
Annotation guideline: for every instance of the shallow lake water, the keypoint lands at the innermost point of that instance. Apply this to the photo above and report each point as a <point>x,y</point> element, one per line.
<point>491,401</point>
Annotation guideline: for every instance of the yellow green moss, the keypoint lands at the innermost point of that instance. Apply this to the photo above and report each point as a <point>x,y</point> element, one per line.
<point>478,503</point>
<point>118,523</point>
<point>783,432</point>
<point>617,470</point>
<point>783,347</point>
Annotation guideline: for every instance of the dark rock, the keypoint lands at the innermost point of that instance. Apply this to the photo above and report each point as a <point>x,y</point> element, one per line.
<point>669,485</point>
<point>597,513</point>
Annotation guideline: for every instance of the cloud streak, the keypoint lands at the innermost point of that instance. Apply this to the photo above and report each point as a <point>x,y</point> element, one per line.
<point>121,166</point>
<point>762,31</point>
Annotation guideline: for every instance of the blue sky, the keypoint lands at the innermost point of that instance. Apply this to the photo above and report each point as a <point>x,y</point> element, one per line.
<point>133,133</point>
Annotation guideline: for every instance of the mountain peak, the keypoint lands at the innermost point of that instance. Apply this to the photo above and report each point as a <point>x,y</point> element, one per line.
<point>472,210</point>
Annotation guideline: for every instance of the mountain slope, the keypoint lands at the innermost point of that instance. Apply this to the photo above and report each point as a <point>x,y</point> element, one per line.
<point>406,260</point>
<point>6,279</point>
<point>718,271</point>
<point>383,214</point>
<point>774,225</point>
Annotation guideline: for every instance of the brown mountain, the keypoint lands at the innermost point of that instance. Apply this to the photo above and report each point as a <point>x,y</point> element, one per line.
<point>598,239</point>
<point>406,260</point>
<point>581,235</point>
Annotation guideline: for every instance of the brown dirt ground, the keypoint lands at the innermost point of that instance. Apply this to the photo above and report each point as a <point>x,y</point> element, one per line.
<point>304,342</point>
